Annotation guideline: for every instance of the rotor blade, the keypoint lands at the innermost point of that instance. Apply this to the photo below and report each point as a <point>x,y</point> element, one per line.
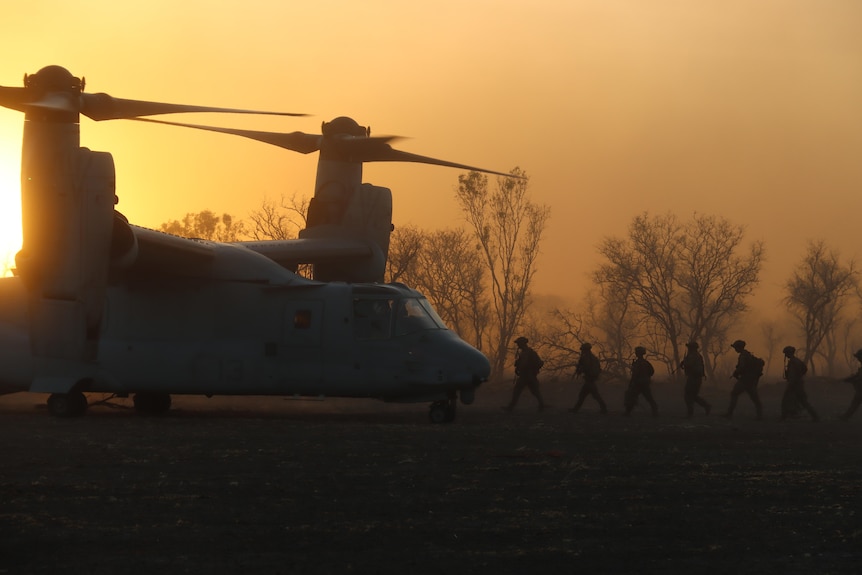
<point>294,141</point>
<point>352,149</point>
<point>14,98</point>
<point>381,152</point>
<point>104,107</point>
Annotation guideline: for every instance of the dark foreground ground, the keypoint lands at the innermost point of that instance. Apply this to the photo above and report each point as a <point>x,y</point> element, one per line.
<point>268,485</point>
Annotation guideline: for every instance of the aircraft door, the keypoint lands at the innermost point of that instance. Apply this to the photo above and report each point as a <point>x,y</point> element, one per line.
<point>301,353</point>
<point>377,357</point>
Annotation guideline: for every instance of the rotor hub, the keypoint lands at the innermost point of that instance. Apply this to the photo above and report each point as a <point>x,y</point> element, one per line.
<point>344,126</point>
<point>54,79</point>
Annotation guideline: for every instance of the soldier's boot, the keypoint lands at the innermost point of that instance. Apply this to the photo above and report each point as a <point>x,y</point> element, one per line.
<point>729,413</point>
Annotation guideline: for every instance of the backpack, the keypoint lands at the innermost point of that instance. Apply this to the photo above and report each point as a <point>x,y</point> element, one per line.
<point>537,361</point>
<point>593,367</point>
<point>532,361</point>
<point>755,367</point>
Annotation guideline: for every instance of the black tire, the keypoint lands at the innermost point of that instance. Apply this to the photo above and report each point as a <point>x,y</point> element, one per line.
<point>442,411</point>
<point>439,412</point>
<point>72,404</point>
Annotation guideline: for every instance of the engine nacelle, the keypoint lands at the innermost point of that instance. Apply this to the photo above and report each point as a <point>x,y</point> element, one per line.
<point>365,214</point>
<point>68,220</point>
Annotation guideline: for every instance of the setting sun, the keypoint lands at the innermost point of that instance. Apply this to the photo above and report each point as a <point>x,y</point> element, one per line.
<point>10,202</point>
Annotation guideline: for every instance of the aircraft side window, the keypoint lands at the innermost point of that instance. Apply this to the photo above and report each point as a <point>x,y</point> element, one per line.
<point>302,319</point>
<point>372,318</point>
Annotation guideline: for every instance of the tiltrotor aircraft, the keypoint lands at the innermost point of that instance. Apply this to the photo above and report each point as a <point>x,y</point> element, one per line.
<point>99,305</point>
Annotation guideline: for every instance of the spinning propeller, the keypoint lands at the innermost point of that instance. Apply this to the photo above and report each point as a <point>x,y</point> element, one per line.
<point>54,89</point>
<point>342,139</point>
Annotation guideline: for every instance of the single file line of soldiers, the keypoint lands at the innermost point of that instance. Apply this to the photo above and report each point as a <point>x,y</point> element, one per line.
<point>747,374</point>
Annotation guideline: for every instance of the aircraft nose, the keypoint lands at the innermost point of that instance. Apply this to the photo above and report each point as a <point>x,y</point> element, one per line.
<point>479,365</point>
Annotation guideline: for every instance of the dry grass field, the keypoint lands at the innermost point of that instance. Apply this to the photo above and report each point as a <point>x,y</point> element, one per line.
<point>269,485</point>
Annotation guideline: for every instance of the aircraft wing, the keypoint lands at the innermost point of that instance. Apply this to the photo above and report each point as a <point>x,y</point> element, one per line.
<point>290,253</point>
<point>164,251</point>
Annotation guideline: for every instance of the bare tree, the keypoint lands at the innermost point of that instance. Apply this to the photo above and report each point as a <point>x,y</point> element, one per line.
<point>509,229</point>
<point>645,267</point>
<point>451,273</point>
<point>206,225</point>
<point>610,311</point>
<point>561,342</point>
<point>404,246</point>
<point>684,281</point>
<point>716,282</point>
<point>281,221</point>
<point>770,337</point>
<point>817,293</point>
<point>447,267</point>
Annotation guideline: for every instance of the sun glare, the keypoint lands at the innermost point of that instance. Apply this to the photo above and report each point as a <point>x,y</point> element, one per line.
<point>10,213</point>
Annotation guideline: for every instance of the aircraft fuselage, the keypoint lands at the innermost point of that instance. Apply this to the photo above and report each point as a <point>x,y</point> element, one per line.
<point>182,335</point>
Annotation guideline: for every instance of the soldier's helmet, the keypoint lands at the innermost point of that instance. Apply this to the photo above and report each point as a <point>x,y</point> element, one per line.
<point>788,350</point>
<point>521,340</point>
<point>858,355</point>
<point>692,345</point>
<point>586,346</point>
<point>640,350</point>
<point>738,345</point>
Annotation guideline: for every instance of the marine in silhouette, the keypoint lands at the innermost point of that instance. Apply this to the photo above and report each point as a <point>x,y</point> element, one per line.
<point>591,368</point>
<point>642,372</point>
<point>527,366</point>
<point>856,380</point>
<point>794,394</point>
<point>747,374</point>
<point>693,367</point>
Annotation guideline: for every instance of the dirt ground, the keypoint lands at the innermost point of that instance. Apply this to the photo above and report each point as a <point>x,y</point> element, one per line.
<point>270,485</point>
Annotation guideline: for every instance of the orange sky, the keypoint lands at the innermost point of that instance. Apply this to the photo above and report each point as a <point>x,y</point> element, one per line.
<point>751,110</point>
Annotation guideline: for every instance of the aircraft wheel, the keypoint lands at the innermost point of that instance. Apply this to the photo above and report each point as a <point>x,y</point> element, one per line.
<point>152,403</point>
<point>450,410</point>
<point>71,404</point>
<point>440,412</point>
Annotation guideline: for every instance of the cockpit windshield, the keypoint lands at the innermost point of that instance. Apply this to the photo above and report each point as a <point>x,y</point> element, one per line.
<point>416,314</point>
<point>382,318</point>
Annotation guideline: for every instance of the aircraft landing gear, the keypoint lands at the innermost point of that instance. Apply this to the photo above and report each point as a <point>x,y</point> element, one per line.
<point>442,411</point>
<point>72,404</point>
<point>152,403</point>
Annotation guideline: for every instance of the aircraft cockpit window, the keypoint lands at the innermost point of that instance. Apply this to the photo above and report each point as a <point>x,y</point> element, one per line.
<point>372,318</point>
<point>414,315</point>
<point>433,313</point>
<point>302,319</point>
